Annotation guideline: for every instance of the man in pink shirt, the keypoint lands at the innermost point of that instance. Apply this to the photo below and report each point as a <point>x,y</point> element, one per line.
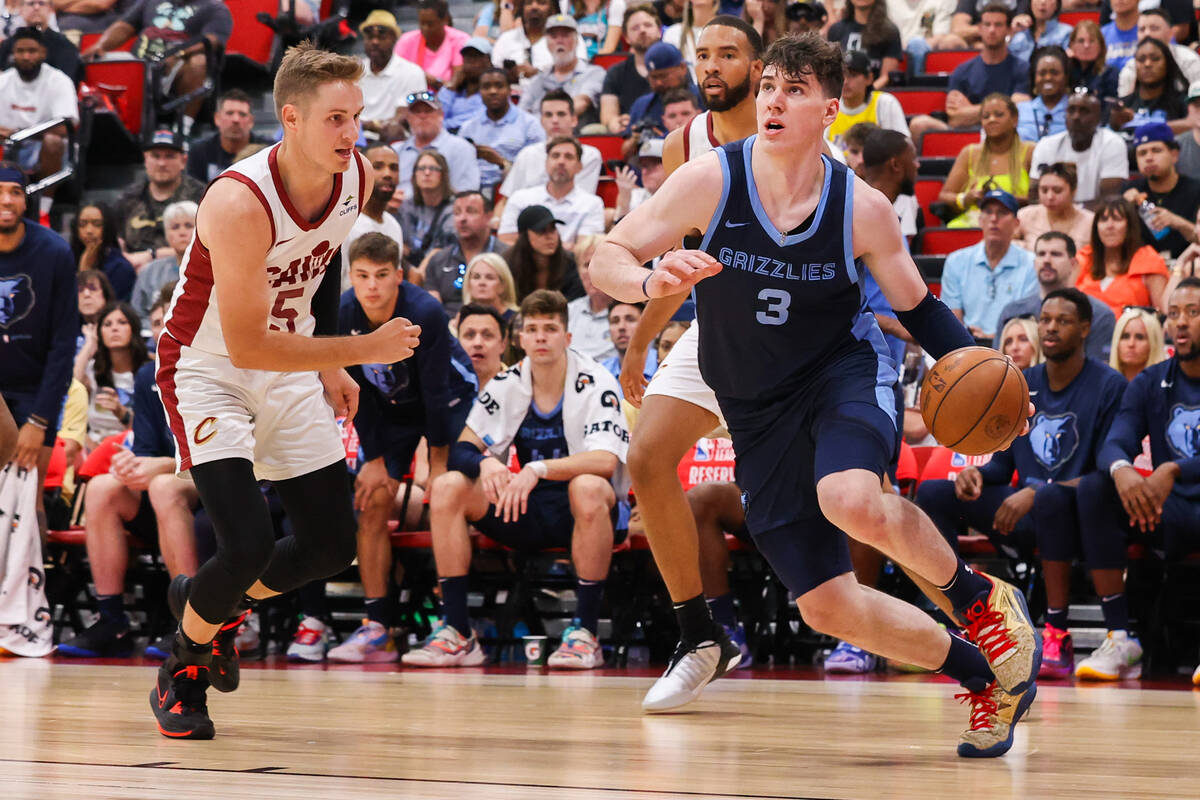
<point>435,46</point>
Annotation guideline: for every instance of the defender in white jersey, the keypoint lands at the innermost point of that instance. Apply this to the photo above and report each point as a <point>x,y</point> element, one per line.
<point>251,383</point>
<point>678,407</point>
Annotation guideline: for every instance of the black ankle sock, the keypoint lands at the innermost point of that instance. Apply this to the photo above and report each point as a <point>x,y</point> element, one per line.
<point>1115,608</point>
<point>190,652</point>
<point>1057,617</point>
<point>965,664</point>
<point>377,611</point>
<point>454,603</point>
<point>721,608</point>
<point>587,608</point>
<point>111,607</point>
<point>965,586</point>
<point>695,621</point>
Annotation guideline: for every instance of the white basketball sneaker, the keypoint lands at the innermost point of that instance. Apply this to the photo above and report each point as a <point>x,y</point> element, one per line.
<point>446,647</point>
<point>690,670</point>
<point>311,641</point>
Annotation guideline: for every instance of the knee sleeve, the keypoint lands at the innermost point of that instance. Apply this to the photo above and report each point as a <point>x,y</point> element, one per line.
<point>244,537</point>
<point>1104,525</point>
<point>320,510</point>
<point>1056,522</point>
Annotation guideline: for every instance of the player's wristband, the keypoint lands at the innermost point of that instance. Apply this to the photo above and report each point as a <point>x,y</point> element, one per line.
<point>539,468</point>
<point>1120,463</point>
<point>646,280</point>
<point>935,327</point>
<point>37,422</point>
<point>465,457</point>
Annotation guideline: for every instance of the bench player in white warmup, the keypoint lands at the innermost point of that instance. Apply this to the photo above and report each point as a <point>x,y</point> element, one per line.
<point>250,391</point>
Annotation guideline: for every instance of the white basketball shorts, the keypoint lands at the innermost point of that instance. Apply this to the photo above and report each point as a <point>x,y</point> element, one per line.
<point>279,421</point>
<point>679,375</point>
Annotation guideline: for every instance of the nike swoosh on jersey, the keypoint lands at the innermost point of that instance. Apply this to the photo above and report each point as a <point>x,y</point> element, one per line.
<point>284,241</point>
<point>729,224</point>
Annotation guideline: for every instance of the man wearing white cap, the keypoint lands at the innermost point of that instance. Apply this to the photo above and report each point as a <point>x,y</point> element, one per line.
<point>569,72</point>
<point>387,78</point>
<point>525,45</point>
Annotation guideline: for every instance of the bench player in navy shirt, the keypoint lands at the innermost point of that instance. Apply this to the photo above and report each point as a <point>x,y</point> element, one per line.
<point>1119,503</point>
<point>804,382</point>
<point>427,396</point>
<point>1076,399</point>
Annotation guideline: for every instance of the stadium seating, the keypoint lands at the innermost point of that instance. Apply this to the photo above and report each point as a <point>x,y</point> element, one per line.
<point>920,100</point>
<point>944,61</point>
<point>947,144</point>
<point>944,241</point>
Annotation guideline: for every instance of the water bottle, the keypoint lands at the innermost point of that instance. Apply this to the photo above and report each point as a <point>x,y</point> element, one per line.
<point>1146,211</point>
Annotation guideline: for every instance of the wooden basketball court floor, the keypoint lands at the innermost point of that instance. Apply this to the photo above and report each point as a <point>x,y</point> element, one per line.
<point>71,730</point>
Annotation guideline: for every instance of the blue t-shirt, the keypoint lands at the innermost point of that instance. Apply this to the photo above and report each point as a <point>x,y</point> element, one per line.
<point>1163,403</point>
<point>1065,432</point>
<point>39,319</point>
<point>1035,121</point>
<point>541,437</point>
<point>977,80</point>
<point>1119,44</point>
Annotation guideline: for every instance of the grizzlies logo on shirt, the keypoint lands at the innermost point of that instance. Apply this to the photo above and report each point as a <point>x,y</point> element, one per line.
<point>16,299</point>
<point>1053,439</point>
<point>1183,431</point>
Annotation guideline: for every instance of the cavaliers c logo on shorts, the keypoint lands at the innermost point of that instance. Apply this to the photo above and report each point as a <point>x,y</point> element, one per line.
<point>205,431</point>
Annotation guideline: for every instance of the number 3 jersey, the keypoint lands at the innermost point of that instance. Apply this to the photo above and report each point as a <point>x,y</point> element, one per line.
<point>300,253</point>
<point>786,303</point>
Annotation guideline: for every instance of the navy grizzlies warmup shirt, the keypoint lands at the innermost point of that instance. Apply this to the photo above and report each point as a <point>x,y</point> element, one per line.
<point>1067,429</point>
<point>785,304</point>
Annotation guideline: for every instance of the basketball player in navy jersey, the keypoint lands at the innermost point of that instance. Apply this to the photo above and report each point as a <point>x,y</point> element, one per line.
<point>804,382</point>
<point>250,392</point>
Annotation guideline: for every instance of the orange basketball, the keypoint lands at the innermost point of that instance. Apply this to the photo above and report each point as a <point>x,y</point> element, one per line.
<point>974,401</point>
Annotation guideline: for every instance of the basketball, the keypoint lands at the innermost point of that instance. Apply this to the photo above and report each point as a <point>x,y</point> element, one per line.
<point>974,401</point>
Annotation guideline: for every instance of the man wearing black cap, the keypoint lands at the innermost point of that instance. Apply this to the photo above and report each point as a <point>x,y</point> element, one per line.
<point>140,209</point>
<point>805,16</point>
<point>33,92</point>
<point>1175,196</point>
<point>39,320</point>
<point>581,80</point>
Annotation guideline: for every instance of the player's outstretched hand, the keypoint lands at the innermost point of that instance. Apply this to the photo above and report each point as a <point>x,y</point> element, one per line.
<point>679,270</point>
<point>395,340</point>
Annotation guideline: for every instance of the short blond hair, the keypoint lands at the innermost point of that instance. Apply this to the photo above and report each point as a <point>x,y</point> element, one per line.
<point>508,290</point>
<point>305,67</point>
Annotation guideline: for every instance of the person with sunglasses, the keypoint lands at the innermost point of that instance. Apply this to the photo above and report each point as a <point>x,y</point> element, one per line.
<point>426,119</point>
<point>1101,165</point>
<point>1118,504</point>
<point>1046,113</point>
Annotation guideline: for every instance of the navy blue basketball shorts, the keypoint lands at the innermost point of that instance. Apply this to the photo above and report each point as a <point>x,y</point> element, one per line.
<point>842,418</point>
<point>400,443</point>
<point>546,524</point>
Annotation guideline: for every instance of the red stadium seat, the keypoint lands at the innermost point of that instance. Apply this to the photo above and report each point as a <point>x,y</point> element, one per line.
<point>609,146</point>
<point>943,241</point>
<point>607,189</point>
<point>89,39</point>
<point>946,60</point>
<point>946,144</point>
<point>1077,16</point>
<point>251,39</point>
<point>943,463</point>
<point>927,191</point>
<point>608,60</point>
<point>125,82</point>
<point>920,101</point>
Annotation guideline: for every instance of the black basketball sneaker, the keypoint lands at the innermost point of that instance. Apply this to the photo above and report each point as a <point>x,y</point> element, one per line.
<point>178,699</point>
<point>224,674</point>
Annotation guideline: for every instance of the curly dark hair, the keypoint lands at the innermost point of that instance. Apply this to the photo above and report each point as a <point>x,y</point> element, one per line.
<point>808,54</point>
